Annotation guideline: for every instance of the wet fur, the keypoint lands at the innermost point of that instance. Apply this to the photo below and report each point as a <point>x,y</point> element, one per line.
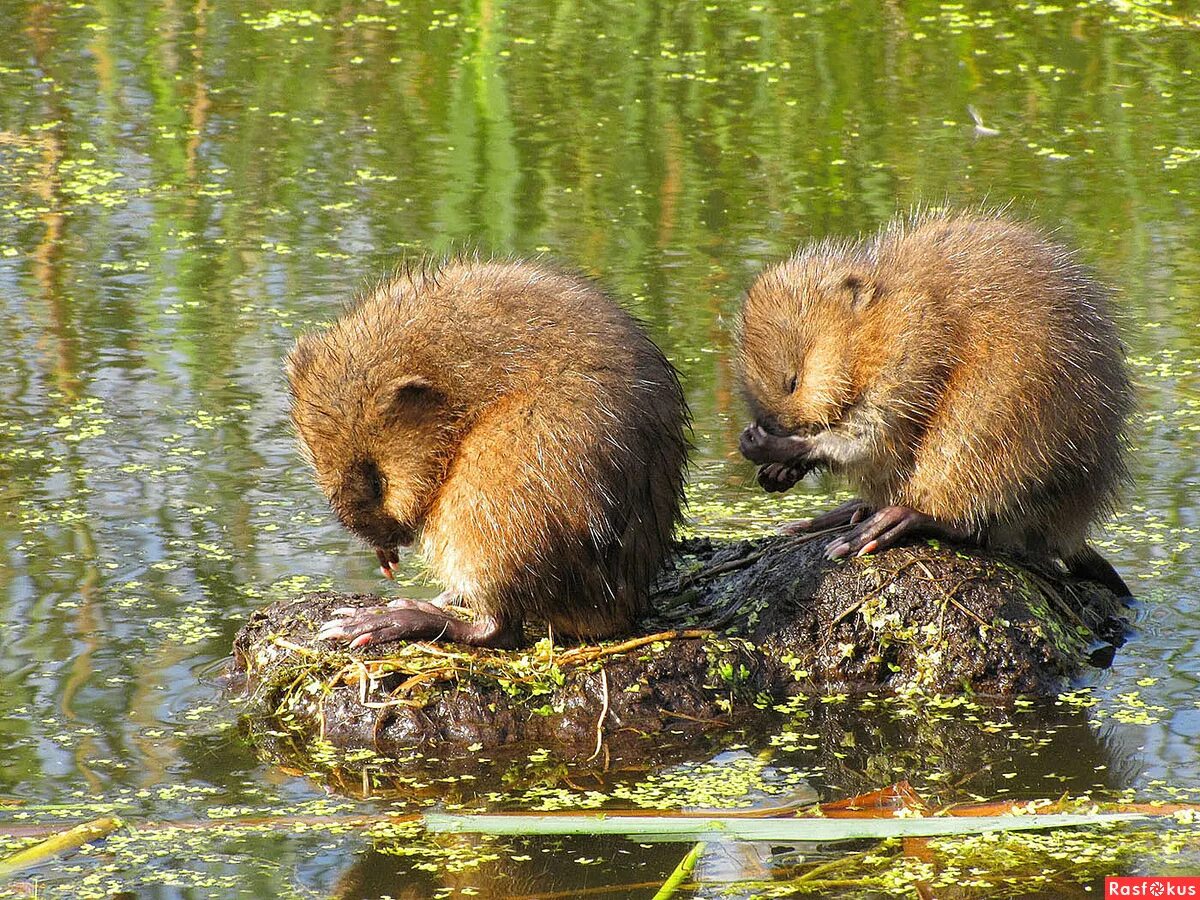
<point>529,436</point>
<point>963,365</point>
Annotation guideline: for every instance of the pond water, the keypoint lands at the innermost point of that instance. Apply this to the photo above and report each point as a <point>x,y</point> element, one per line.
<point>185,185</point>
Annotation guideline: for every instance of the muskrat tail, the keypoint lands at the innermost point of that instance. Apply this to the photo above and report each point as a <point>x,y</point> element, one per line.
<point>1086,563</point>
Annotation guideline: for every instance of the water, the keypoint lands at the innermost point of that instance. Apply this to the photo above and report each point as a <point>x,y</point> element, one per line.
<point>184,186</point>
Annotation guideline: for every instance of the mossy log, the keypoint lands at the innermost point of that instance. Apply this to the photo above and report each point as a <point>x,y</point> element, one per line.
<point>735,627</point>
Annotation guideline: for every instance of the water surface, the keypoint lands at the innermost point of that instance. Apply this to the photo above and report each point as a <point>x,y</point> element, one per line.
<point>186,185</point>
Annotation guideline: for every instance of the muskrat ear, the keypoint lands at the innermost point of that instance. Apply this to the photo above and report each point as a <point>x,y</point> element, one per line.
<point>863,289</point>
<point>408,393</point>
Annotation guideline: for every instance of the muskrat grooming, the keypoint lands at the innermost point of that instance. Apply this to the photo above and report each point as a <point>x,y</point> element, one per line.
<point>517,427</point>
<point>961,369</point>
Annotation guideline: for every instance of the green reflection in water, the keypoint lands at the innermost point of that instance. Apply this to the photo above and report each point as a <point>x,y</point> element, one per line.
<point>184,185</point>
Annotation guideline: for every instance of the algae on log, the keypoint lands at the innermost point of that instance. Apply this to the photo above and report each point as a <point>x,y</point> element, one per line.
<point>740,626</point>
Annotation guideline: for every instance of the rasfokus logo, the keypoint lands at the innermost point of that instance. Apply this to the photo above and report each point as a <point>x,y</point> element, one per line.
<point>1152,886</point>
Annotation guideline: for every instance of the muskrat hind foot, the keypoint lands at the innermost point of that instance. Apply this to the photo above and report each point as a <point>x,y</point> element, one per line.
<point>849,513</point>
<point>888,527</point>
<point>414,620</point>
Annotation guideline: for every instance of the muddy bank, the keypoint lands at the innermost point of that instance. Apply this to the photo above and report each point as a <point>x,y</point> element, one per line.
<point>736,627</point>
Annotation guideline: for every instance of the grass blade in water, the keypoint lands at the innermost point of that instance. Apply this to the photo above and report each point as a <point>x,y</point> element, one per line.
<point>63,842</point>
<point>682,873</point>
<point>790,829</point>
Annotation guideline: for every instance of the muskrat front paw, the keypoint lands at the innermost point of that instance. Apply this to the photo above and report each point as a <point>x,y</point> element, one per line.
<point>761,446</point>
<point>388,560</point>
<point>775,478</point>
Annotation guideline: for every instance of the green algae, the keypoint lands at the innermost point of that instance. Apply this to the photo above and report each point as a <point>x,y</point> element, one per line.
<point>185,186</point>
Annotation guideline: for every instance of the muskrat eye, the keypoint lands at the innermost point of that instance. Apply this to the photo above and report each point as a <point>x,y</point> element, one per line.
<point>791,385</point>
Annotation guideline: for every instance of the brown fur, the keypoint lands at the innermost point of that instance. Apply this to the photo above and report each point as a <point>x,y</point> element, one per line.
<point>515,424</point>
<point>962,365</point>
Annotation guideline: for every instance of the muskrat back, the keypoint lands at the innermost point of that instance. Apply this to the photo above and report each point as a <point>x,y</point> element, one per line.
<point>517,426</point>
<point>961,369</point>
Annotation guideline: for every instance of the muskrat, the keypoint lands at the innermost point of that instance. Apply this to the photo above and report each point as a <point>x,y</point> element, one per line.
<point>961,369</point>
<point>513,423</point>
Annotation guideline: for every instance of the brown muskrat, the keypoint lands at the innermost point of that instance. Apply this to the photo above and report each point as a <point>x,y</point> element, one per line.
<point>961,369</point>
<point>515,425</point>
